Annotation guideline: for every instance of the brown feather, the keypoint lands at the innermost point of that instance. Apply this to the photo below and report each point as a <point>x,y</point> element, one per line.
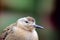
<point>31,19</point>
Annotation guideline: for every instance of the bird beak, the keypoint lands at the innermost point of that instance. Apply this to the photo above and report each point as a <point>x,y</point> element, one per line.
<point>37,26</point>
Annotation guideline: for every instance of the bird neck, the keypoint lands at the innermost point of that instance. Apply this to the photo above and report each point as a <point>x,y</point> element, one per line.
<point>26,28</point>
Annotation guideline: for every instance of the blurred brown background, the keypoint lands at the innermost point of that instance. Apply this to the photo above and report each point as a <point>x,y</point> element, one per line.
<point>41,10</point>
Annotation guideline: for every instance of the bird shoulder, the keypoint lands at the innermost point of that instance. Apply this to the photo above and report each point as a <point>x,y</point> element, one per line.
<point>6,31</point>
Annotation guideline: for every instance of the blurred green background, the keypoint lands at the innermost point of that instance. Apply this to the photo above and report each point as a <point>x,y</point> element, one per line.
<point>39,9</point>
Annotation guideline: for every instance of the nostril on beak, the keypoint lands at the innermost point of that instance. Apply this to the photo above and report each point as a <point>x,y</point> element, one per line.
<point>37,26</point>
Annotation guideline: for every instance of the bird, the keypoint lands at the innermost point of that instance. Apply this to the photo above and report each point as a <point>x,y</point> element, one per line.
<point>22,29</point>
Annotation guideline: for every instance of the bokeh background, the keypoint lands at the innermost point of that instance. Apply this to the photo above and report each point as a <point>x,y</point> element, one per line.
<point>41,10</point>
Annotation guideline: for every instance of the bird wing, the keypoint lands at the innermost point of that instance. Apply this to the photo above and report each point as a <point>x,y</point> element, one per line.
<point>6,31</point>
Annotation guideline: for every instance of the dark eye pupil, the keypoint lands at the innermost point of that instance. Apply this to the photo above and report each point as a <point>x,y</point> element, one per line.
<point>26,21</point>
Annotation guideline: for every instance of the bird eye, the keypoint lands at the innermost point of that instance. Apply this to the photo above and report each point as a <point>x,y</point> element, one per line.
<point>26,21</point>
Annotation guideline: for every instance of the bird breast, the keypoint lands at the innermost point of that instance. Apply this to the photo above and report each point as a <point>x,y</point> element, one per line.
<point>24,34</point>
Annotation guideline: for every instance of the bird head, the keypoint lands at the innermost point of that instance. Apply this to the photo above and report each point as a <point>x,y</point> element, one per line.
<point>27,23</point>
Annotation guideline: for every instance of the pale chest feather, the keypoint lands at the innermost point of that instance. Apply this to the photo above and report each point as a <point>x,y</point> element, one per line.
<point>25,35</point>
